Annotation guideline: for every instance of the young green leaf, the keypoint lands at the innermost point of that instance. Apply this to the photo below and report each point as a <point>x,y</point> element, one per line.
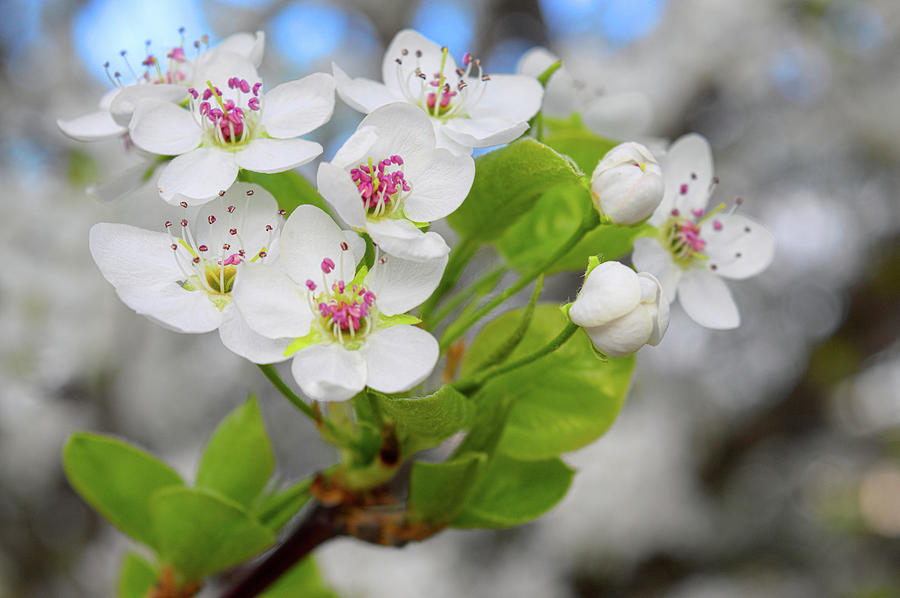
<point>117,479</point>
<point>571,138</point>
<point>438,491</point>
<point>301,581</point>
<point>289,188</point>
<point>513,492</point>
<point>561,402</point>
<point>275,509</point>
<point>556,216</point>
<point>238,459</point>
<point>507,183</point>
<point>424,422</point>
<point>201,533</point>
<point>136,577</point>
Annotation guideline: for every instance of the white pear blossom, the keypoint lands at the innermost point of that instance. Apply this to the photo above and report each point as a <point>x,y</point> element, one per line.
<point>693,248</point>
<point>620,310</point>
<point>161,79</point>
<point>347,327</point>
<point>388,179</point>
<point>468,108</point>
<point>184,280</point>
<point>627,184</point>
<point>231,124</point>
<point>612,115</point>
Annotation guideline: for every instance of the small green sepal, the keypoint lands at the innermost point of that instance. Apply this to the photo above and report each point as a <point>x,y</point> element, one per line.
<point>396,320</point>
<point>314,337</point>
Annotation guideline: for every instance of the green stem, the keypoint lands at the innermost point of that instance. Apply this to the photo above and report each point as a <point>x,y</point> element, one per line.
<point>459,258</point>
<point>475,382</point>
<point>464,295</point>
<point>272,374</point>
<point>458,328</point>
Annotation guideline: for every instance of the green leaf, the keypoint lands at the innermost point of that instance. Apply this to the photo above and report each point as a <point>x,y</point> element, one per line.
<point>554,218</point>
<point>275,509</point>
<point>489,421</point>
<point>424,422</point>
<point>136,577</point>
<point>571,138</point>
<point>238,459</point>
<point>562,401</point>
<point>301,581</point>
<point>201,533</point>
<point>117,479</point>
<point>512,492</point>
<point>289,188</point>
<point>438,491</point>
<point>508,182</point>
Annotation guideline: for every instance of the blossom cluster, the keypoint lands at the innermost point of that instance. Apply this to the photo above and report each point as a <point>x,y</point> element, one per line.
<point>299,288</point>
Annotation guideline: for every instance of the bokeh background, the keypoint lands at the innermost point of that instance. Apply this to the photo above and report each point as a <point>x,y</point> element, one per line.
<point>758,462</point>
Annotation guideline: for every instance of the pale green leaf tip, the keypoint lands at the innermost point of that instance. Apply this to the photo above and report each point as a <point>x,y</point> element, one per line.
<point>544,77</point>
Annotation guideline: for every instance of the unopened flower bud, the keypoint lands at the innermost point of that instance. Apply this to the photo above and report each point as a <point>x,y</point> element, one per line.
<point>627,184</point>
<point>620,310</point>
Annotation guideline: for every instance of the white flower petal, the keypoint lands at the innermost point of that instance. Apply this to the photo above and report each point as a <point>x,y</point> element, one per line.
<point>403,129</point>
<point>90,127</point>
<point>197,176</point>
<point>133,257</point>
<point>625,335</point>
<point>164,128</point>
<point>120,184</point>
<point>309,236</point>
<point>277,155</point>
<point>398,358</point>
<point>361,94</point>
<point>445,141</point>
<point>329,372</point>
<point>484,131</point>
<point>400,285</point>
<point>403,239</point>
<point>610,291</point>
<point>653,297</point>
<point>123,104</point>
<point>249,45</point>
<point>688,172</point>
<point>707,300</point>
<point>297,107</point>
<point>618,116</point>
<point>356,149</point>
<point>341,193</point>
<point>271,303</point>
<point>740,248</point>
<point>650,256</point>
<point>429,61</point>
<point>240,339</point>
<point>514,98</point>
<point>173,307</point>
<point>441,188</point>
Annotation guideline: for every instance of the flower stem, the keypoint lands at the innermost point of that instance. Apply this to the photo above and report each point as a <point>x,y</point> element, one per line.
<point>472,384</point>
<point>477,288</point>
<point>272,374</point>
<point>458,328</point>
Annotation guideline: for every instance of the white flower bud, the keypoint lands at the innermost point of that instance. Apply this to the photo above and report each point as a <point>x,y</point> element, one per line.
<point>621,310</point>
<point>627,184</point>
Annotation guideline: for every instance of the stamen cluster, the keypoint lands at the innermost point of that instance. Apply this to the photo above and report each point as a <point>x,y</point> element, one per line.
<point>442,96</point>
<point>344,309</point>
<point>380,187</point>
<point>227,120</point>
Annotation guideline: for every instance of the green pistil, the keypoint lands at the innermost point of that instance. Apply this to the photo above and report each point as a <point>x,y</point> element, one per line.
<point>440,87</point>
